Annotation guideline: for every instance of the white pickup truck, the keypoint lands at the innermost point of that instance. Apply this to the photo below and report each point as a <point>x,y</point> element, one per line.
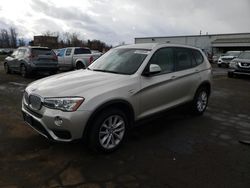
<point>75,58</point>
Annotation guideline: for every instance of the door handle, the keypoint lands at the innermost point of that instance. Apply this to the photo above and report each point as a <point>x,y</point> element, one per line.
<point>196,70</point>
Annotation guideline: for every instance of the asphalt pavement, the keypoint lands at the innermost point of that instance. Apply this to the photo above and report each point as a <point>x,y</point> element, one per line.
<point>172,151</point>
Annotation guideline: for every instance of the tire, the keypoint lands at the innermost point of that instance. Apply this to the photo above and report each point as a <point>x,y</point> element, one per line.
<point>7,68</point>
<point>23,71</point>
<point>200,101</point>
<point>80,65</point>
<point>108,131</point>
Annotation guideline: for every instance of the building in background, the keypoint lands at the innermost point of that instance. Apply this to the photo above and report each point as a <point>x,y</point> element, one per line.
<point>214,44</point>
<point>46,41</point>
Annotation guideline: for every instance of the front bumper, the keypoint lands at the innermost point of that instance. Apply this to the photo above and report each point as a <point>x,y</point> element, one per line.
<point>223,62</point>
<point>239,72</point>
<point>72,127</point>
<point>42,68</point>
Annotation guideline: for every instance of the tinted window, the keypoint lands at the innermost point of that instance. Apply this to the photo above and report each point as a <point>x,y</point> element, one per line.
<point>82,51</point>
<point>198,57</point>
<point>68,52</point>
<point>61,52</point>
<point>233,53</point>
<point>183,59</point>
<point>41,51</point>
<point>165,59</point>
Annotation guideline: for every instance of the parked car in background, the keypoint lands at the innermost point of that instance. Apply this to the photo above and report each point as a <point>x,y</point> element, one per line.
<point>96,52</point>
<point>126,84</point>
<point>208,55</point>
<point>6,51</point>
<point>216,57</point>
<point>31,59</point>
<point>225,59</point>
<point>240,65</point>
<point>75,58</point>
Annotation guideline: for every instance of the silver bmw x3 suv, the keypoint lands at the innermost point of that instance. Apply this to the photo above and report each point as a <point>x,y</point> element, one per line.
<point>125,85</point>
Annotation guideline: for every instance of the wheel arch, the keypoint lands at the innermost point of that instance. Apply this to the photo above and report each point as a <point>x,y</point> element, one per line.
<point>124,105</point>
<point>206,84</point>
<point>81,61</point>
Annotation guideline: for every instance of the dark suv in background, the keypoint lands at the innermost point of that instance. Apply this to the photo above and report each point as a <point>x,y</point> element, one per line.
<point>240,65</point>
<point>31,59</point>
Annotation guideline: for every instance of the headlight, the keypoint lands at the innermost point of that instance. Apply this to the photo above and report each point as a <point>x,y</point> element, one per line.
<point>233,64</point>
<point>68,104</point>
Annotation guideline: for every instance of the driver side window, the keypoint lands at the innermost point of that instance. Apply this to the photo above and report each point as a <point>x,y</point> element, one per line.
<point>164,57</point>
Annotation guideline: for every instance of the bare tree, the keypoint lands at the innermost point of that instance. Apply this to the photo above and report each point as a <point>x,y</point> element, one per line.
<point>50,34</point>
<point>21,42</point>
<point>13,37</point>
<point>75,41</point>
<point>5,38</point>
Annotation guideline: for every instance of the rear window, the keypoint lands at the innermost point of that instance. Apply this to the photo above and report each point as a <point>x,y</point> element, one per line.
<point>184,59</point>
<point>41,51</point>
<point>82,51</point>
<point>198,57</point>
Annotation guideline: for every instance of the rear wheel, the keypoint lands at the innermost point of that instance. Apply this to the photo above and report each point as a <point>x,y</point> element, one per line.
<point>7,68</point>
<point>200,101</point>
<point>108,131</point>
<point>23,71</point>
<point>80,65</point>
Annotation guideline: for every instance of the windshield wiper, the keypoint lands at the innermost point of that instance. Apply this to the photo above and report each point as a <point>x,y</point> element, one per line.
<point>101,70</point>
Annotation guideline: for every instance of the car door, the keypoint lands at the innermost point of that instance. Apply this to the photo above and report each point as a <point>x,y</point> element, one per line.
<point>172,85</point>
<point>158,91</point>
<point>60,57</point>
<point>68,57</point>
<point>187,75</point>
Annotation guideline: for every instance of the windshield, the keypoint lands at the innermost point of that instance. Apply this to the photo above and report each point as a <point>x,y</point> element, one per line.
<point>232,53</point>
<point>245,55</point>
<point>120,61</point>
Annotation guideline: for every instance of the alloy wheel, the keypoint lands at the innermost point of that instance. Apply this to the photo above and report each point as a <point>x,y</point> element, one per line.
<point>112,131</point>
<point>202,101</point>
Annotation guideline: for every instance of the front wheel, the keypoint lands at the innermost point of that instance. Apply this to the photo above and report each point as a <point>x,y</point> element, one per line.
<point>200,101</point>
<point>108,131</point>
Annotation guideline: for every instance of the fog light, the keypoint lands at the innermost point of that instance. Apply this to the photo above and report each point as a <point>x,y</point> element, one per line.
<point>58,121</point>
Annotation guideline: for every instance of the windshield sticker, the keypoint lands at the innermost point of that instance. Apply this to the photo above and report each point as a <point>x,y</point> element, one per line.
<point>146,52</point>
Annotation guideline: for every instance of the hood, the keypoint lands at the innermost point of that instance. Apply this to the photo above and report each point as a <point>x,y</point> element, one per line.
<point>242,60</point>
<point>227,57</point>
<point>74,83</point>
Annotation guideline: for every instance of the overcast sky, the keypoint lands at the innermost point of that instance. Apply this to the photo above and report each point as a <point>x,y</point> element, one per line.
<point>115,21</point>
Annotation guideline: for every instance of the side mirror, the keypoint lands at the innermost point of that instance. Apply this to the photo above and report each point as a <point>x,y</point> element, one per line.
<point>153,69</point>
